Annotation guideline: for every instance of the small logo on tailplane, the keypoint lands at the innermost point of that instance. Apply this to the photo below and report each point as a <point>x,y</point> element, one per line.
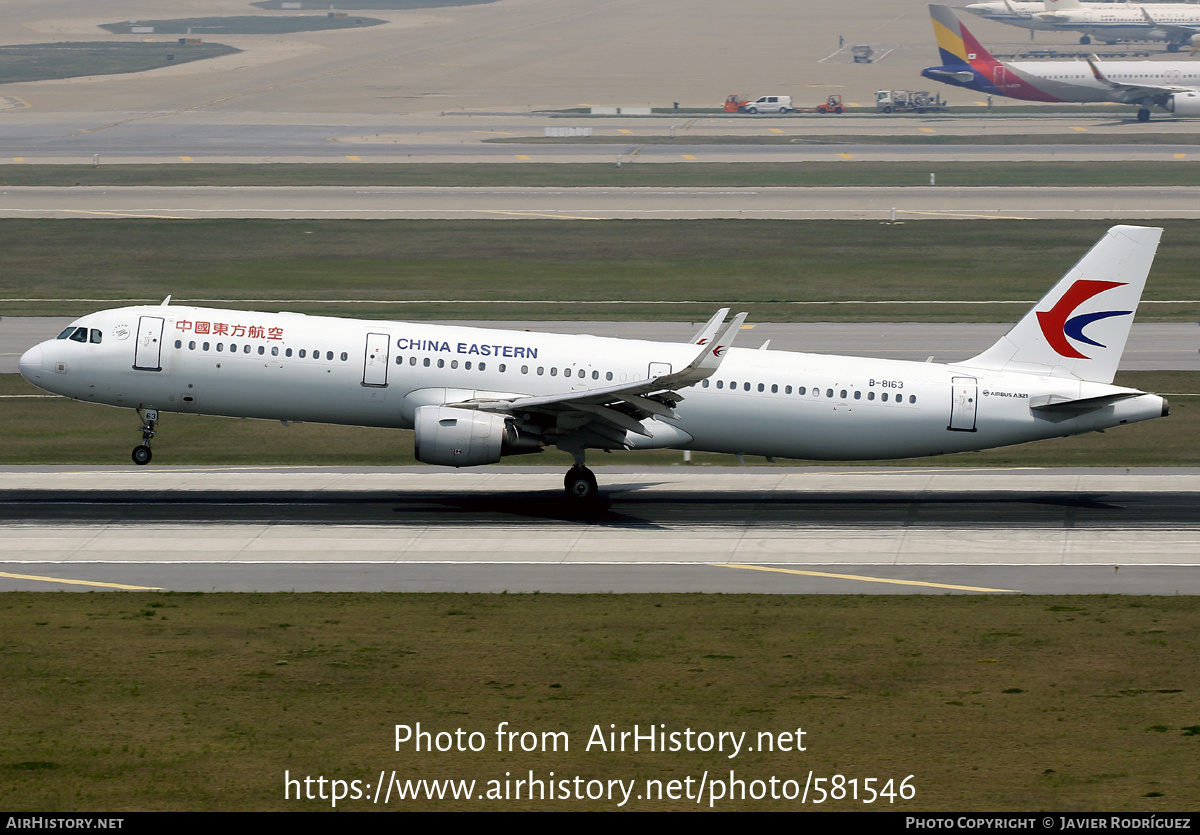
<point>1057,323</point>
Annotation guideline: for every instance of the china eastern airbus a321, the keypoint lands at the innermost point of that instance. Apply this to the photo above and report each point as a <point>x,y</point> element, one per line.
<point>473,396</point>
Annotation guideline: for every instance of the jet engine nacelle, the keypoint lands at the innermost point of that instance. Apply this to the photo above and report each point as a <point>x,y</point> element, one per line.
<point>1184,104</point>
<point>453,437</point>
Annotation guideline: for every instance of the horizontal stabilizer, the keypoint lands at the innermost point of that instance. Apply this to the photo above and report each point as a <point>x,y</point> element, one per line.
<point>1058,403</point>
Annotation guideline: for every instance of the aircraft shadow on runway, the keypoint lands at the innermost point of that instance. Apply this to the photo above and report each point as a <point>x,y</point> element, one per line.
<point>634,505</point>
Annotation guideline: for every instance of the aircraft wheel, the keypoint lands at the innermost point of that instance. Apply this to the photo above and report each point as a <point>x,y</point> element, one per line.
<point>580,483</point>
<point>1085,40</point>
<point>1173,47</point>
<point>142,455</point>
<point>1144,115</point>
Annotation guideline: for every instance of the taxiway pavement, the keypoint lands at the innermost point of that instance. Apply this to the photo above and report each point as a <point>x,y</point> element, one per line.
<point>466,203</point>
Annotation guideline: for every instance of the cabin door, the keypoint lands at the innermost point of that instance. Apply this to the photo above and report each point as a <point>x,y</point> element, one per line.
<point>147,351</point>
<point>375,360</point>
<point>964,403</point>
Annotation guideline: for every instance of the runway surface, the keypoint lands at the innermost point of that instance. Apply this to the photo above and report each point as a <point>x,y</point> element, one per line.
<point>849,203</point>
<point>772,530</point>
<point>1152,346</point>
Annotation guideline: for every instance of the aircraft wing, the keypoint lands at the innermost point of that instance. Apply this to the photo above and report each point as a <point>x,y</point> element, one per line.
<point>623,407</point>
<point>1176,33</point>
<point>1136,93</point>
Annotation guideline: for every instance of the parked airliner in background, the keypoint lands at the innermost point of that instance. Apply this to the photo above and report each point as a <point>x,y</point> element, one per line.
<point>1172,85</point>
<point>1014,13</point>
<point>474,395</point>
<point>1178,24</point>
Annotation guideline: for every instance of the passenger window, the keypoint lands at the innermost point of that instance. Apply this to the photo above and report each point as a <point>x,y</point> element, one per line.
<point>870,395</point>
<point>303,353</point>
<point>97,336</point>
<point>220,346</point>
<point>178,343</point>
<point>554,372</point>
<point>829,392</point>
<point>843,394</point>
<point>329,355</point>
<point>205,346</point>
<point>912,398</point>
<point>720,384</point>
<point>858,395</point>
<point>595,375</point>
<point>884,397</point>
<point>191,346</point>
<point>482,366</point>
<point>704,383</point>
<point>413,361</point>
<point>454,363</point>
<point>261,350</point>
<point>274,350</point>
<point>524,369</point>
<point>788,390</point>
<point>802,390</point>
<point>399,360</point>
<point>427,362</point>
<point>608,376</point>
<point>761,387</point>
<point>540,370</point>
<point>245,349</point>
<point>746,386</point>
<point>441,363</point>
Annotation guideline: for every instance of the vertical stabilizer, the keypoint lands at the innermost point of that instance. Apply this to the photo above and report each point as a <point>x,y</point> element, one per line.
<point>955,42</point>
<point>1079,328</point>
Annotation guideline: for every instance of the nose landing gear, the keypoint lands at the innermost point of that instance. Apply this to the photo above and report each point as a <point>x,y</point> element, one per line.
<point>141,452</point>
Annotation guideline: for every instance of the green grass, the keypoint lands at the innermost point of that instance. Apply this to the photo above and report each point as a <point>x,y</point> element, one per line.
<point>55,430</point>
<point>122,702</point>
<point>835,172</point>
<point>243,25</point>
<point>765,267</point>
<point>37,62</point>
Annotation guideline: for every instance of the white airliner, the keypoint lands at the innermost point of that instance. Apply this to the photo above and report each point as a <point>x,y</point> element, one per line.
<point>1178,24</point>
<point>1172,85</point>
<point>475,395</point>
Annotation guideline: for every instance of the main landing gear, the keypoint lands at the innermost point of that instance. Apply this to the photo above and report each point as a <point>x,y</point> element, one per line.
<point>141,452</point>
<point>1144,115</point>
<point>581,484</point>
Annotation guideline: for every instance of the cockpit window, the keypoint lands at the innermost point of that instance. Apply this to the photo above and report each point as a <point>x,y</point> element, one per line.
<point>67,332</point>
<point>80,335</point>
<point>97,336</point>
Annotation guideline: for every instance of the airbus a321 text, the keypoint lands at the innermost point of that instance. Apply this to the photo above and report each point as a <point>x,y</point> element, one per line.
<point>473,396</point>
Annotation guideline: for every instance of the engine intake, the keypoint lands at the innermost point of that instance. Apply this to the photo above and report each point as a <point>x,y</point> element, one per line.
<point>451,437</point>
<point>1184,104</point>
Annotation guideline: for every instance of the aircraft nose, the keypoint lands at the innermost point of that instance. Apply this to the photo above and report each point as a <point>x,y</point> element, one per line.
<point>30,364</point>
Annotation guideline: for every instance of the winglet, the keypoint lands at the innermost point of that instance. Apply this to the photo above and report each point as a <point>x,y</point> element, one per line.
<point>709,330</point>
<point>708,360</point>
<point>1092,59</point>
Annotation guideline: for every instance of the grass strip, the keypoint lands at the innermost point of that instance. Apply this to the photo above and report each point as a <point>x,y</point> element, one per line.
<point>150,701</point>
<point>835,172</point>
<point>776,270</point>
